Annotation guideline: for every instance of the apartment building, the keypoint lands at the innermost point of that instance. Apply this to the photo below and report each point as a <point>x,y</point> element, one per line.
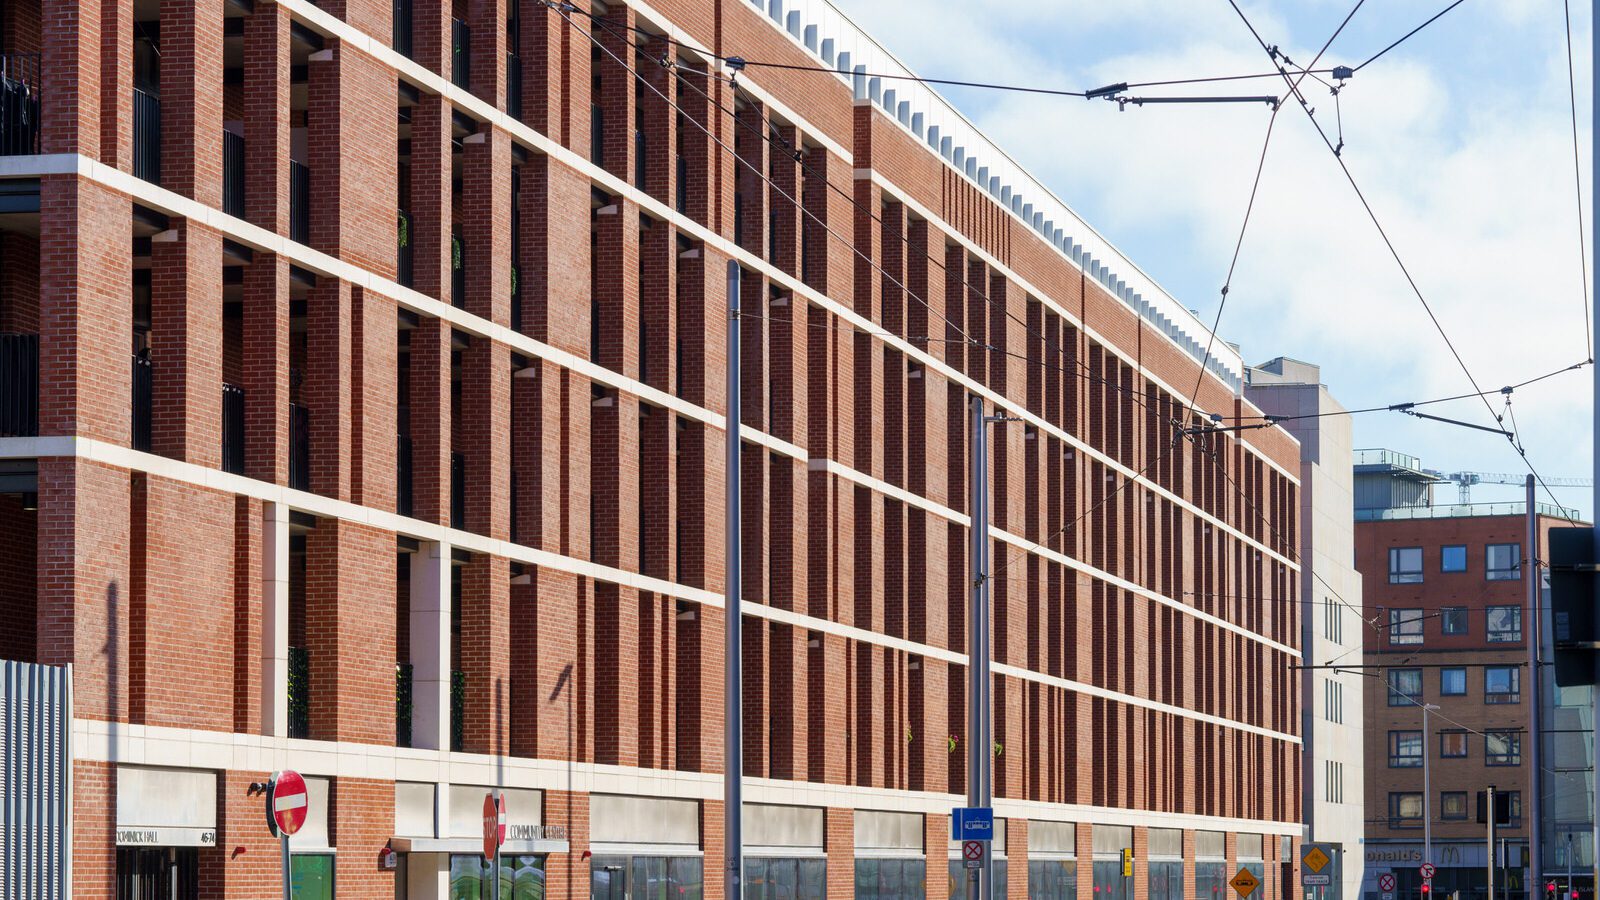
<point>364,406</point>
<point>1332,629</point>
<point>1444,587</point>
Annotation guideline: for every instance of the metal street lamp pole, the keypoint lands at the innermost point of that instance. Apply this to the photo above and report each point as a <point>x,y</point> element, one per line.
<point>980,749</point>
<point>1427,786</point>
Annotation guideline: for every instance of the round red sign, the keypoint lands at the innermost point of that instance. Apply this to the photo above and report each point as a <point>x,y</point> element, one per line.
<point>494,824</point>
<point>287,802</point>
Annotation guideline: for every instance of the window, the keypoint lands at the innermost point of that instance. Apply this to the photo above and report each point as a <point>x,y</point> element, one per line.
<point>1505,624</point>
<point>891,879</point>
<point>520,876</point>
<point>1503,562</point>
<point>1452,682</point>
<point>1453,619</point>
<point>1452,744</point>
<point>1405,749</point>
<point>1453,558</point>
<point>1502,684</point>
<point>1502,748</point>
<point>1453,805</point>
<point>1166,880</point>
<point>1051,879</point>
<point>1332,781</point>
<point>1332,622</point>
<point>312,877</point>
<point>1405,686</point>
<point>765,879</point>
<point>1405,565</point>
<point>1405,810</point>
<point>1405,626</point>
<point>645,876</point>
<point>999,874</point>
<point>1333,701</point>
<point>1514,805</point>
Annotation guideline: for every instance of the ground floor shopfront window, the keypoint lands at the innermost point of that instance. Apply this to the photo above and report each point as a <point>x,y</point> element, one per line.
<point>311,876</point>
<point>521,878</point>
<point>646,878</point>
<point>960,877</point>
<point>1109,882</point>
<point>1210,880</point>
<point>1052,879</point>
<point>891,879</point>
<point>1166,880</point>
<point>158,873</point>
<point>778,878</point>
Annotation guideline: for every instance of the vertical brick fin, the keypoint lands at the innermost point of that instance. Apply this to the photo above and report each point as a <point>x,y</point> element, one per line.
<point>374,400</point>
<point>750,172</point>
<point>486,191</point>
<point>431,160</point>
<point>660,123</point>
<point>247,615</point>
<point>85,374</point>
<point>616,100</point>
<point>116,81</point>
<point>85,586</point>
<point>71,42</point>
<point>266,380</point>
<point>186,343</point>
<point>700,155</point>
<point>431,40</point>
<point>555,245</point>
<point>658,493</point>
<point>616,285</point>
<point>486,654</point>
<point>486,426</point>
<point>658,307</point>
<point>487,19</point>
<point>350,632</point>
<point>328,384</point>
<point>351,133</point>
<point>430,420</point>
<point>266,119</point>
<point>191,99</point>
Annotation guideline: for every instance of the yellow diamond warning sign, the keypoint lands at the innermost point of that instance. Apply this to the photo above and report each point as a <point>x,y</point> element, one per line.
<point>1244,883</point>
<point>1316,859</point>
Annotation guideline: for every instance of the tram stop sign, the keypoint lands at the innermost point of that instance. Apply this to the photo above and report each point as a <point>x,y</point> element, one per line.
<point>494,824</point>
<point>287,802</point>
<point>1315,858</point>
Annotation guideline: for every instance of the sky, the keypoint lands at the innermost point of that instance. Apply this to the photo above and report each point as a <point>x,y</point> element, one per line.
<point>1460,139</point>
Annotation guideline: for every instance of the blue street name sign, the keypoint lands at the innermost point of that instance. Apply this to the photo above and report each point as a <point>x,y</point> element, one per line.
<point>972,823</point>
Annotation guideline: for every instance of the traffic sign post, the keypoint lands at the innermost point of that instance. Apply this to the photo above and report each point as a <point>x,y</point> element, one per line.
<point>1386,882</point>
<point>972,854</point>
<point>1426,870</point>
<point>1244,883</point>
<point>287,805</point>
<point>494,834</point>
<point>972,823</point>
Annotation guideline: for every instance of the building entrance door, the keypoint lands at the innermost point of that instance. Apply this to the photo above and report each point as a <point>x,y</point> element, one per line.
<point>158,873</point>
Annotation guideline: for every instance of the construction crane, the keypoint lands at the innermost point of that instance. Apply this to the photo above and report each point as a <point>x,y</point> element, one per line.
<point>1465,480</point>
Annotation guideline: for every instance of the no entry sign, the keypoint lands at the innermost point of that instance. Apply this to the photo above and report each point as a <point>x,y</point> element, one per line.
<point>494,824</point>
<point>287,803</point>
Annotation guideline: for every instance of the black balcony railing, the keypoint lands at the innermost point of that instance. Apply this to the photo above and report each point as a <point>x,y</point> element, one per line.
<point>406,254</point>
<point>458,709</point>
<point>405,495</point>
<point>402,704</point>
<point>299,692</point>
<point>19,104</point>
<point>146,136</point>
<point>514,86</point>
<point>458,490</point>
<point>299,202</point>
<point>233,173</point>
<point>641,146</point>
<point>402,27</point>
<point>143,402</point>
<point>299,447</point>
<point>233,429</point>
<point>516,297</point>
<point>19,385</point>
<point>460,54</point>
<point>458,271</point>
<point>597,134</point>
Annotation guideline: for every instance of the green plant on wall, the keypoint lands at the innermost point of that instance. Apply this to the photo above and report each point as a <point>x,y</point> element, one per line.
<point>405,231</point>
<point>951,742</point>
<point>999,749</point>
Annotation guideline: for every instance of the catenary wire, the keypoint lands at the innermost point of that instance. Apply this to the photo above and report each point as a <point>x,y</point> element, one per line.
<point>1577,180</point>
<point>1407,36</point>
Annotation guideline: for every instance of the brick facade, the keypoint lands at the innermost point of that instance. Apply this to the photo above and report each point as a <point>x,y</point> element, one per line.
<point>509,503</point>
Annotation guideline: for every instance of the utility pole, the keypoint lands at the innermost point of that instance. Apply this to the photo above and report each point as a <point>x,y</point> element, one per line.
<point>1427,788</point>
<point>1489,842</point>
<point>980,736</point>
<point>733,627</point>
<point>1594,424</point>
<point>1533,630</point>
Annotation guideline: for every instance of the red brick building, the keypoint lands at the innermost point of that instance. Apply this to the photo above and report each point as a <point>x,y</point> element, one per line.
<point>363,415</point>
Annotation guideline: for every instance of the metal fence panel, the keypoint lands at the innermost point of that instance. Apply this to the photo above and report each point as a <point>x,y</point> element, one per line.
<point>35,781</point>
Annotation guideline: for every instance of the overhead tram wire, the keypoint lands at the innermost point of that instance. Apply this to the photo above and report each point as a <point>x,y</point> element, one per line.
<point>1577,181</point>
<point>1403,38</point>
<point>1388,243</point>
<point>776,141</point>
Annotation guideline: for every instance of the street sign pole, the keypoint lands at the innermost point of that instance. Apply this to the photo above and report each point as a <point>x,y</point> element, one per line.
<point>733,623</point>
<point>288,888</point>
<point>980,749</point>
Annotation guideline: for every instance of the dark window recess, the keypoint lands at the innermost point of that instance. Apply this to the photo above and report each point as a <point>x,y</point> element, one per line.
<point>404,496</point>
<point>597,134</point>
<point>515,532</point>
<point>460,53</point>
<point>19,385</point>
<point>406,252</point>
<point>458,490</point>
<point>299,447</point>
<point>514,86</point>
<point>641,146</point>
<point>401,38</point>
<point>458,271</point>
<point>146,136</point>
<point>143,398</point>
<point>299,692</point>
<point>156,872</point>
<point>19,104</point>
<point>458,709</point>
<point>738,218</point>
<point>299,202</point>
<point>683,186</point>
<point>516,297</point>
<point>233,429</point>
<point>402,704</point>
<point>233,174</point>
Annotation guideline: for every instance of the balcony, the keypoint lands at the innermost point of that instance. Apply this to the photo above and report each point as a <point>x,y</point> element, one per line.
<point>146,136</point>
<point>299,447</point>
<point>299,693</point>
<point>460,54</point>
<point>405,253</point>
<point>143,402</point>
<point>19,385</point>
<point>233,174</point>
<point>401,38</point>
<point>405,494</point>
<point>19,104</point>
<point>299,202</point>
<point>233,429</point>
<point>458,490</point>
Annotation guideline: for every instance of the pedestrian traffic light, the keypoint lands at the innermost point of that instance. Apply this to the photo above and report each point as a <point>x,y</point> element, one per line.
<point>1427,886</point>
<point>1572,604</point>
<point>1550,888</point>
